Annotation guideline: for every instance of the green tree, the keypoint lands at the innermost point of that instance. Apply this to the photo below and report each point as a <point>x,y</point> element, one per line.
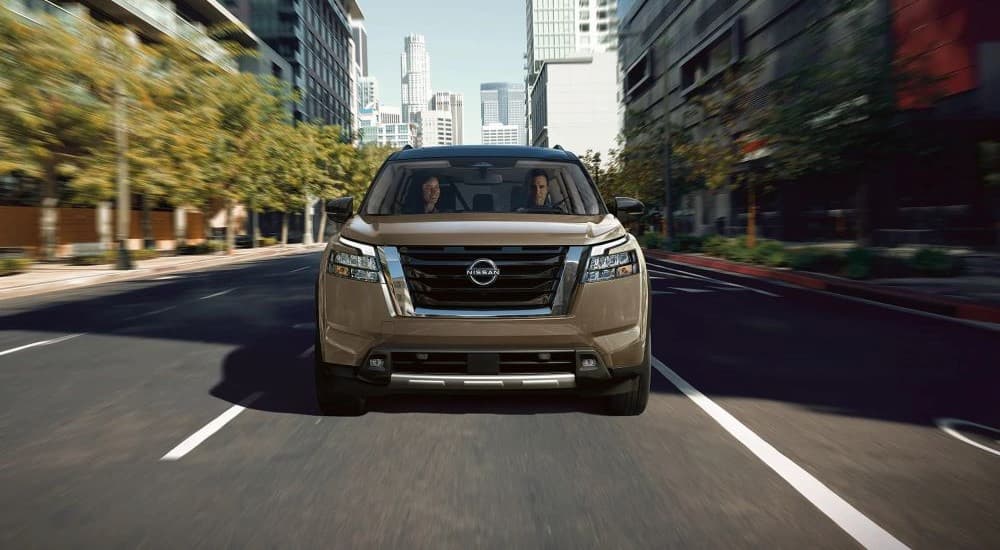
<point>58,81</point>
<point>715,156</point>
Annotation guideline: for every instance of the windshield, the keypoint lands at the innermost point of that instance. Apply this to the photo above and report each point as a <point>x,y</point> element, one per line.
<point>482,185</point>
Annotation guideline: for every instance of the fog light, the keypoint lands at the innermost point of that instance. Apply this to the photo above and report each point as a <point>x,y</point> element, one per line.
<point>422,356</point>
<point>588,363</point>
<point>544,356</point>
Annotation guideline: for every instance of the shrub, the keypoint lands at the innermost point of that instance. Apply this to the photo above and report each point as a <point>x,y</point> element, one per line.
<point>932,262</point>
<point>651,239</point>
<point>765,250</point>
<point>860,262</point>
<point>13,266</point>
<point>92,259</point>
<point>816,259</point>
<point>714,244</point>
<point>202,248</point>
<point>143,254</point>
<point>687,243</point>
<point>268,241</point>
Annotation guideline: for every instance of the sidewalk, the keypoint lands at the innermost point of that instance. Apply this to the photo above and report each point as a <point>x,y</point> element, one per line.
<point>975,298</point>
<point>42,278</point>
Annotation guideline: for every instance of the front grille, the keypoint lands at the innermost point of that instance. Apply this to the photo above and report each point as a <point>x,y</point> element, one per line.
<point>526,362</point>
<point>436,276</point>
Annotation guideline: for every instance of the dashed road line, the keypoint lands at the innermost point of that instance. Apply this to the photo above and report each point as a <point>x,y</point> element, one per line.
<point>41,343</point>
<point>300,269</point>
<point>692,290</point>
<point>848,518</point>
<point>308,352</point>
<point>217,294</point>
<point>149,313</point>
<point>718,281</point>
<point>199,437</point>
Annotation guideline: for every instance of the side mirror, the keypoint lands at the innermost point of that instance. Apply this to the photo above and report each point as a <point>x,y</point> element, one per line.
<point>340,209</point>
<point>627,206</point>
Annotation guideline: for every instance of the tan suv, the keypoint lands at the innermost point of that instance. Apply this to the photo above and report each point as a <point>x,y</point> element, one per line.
<point>483,269</point>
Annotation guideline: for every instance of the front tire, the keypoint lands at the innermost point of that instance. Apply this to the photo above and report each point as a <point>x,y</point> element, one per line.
<point>331,402</point>
<point>633,402</point>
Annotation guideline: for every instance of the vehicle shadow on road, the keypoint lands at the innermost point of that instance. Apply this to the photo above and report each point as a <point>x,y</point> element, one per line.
<point>283,376</point>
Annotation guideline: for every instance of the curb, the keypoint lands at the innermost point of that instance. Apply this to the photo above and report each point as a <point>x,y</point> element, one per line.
<point>33,289</point>
<point>959,309</point>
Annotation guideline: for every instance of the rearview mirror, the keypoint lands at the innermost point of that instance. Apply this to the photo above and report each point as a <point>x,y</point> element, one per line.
<point>340,210</point>
<point>628,206</point>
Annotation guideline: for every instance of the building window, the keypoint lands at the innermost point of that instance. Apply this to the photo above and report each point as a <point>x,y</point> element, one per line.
<point>602,27</point>
<point>584,3</point>
<point>584,27</point>
<point>602,14</point>
<point>584,15</point>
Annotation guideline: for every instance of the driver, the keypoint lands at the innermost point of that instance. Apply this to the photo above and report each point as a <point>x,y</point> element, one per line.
<point>538,189</point>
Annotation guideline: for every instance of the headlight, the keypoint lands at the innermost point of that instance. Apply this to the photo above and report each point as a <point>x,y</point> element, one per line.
<point>353,266</point>
<point>611,265</point>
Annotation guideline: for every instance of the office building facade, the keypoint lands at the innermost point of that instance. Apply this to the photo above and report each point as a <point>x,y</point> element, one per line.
<point>315,37</point>
<point>565,29</point>
<point>573,104</point>
<point>502,134</point>
<point>673,52</point>
<point>454,104</point>
<point>415,76</point>
<point>502,103</point>
<point>434,128</point>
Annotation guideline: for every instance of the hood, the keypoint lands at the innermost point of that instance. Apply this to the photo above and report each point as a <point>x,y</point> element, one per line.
<point>483,229</point>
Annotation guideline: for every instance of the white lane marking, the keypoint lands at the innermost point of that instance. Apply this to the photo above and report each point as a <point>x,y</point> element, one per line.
<point>668,274</point>
<point>654,292</point>
<point>167,278</point>
<point>848,518</point>
<point>197,438</point>
<point>217,294</point>
<point>682,289</point>
<point>41,343</point>
<point>307,352</point>
<point>946,425</point>
<point>148,313</point>
<point>303,326</point>
<point>727,283</point>
<point>300,269</point>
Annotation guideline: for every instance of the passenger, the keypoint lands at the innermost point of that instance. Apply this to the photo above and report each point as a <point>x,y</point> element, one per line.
<point>431,193</point>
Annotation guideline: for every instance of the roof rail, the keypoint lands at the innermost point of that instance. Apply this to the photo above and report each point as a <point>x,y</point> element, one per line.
<point>406,147</point>
<point>557,146</point>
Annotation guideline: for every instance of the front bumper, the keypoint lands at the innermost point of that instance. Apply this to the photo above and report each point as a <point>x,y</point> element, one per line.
<point>608,319</point>
<point>347,380</point>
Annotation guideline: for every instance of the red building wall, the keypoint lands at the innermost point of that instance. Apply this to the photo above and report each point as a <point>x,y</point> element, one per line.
<point>940,38</point>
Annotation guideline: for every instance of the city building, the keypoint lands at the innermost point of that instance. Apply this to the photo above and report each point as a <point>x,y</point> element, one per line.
<point>415,76</point>
<point>186,20</point>
<point>368,123</point>
<point>453,103</point>
<point>360,36</point>
<point>503,103</point>
<point>315,37</point>
<point>434,128</point>
<point>574,104</point>
<point>566,29</point>
<point>672,52</point>
<point>495,133</point>
<point>368,92</point>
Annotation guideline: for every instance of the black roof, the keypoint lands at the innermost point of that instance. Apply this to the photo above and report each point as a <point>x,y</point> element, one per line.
<point>452,151</point>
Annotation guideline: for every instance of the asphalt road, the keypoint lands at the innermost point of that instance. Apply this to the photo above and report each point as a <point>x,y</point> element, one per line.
<point>827,429</point>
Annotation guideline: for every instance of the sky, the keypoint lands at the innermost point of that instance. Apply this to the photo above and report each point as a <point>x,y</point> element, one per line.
<point>469,42</point>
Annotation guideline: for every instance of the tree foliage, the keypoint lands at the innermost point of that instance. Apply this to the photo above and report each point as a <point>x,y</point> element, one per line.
<point>199,135</point>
